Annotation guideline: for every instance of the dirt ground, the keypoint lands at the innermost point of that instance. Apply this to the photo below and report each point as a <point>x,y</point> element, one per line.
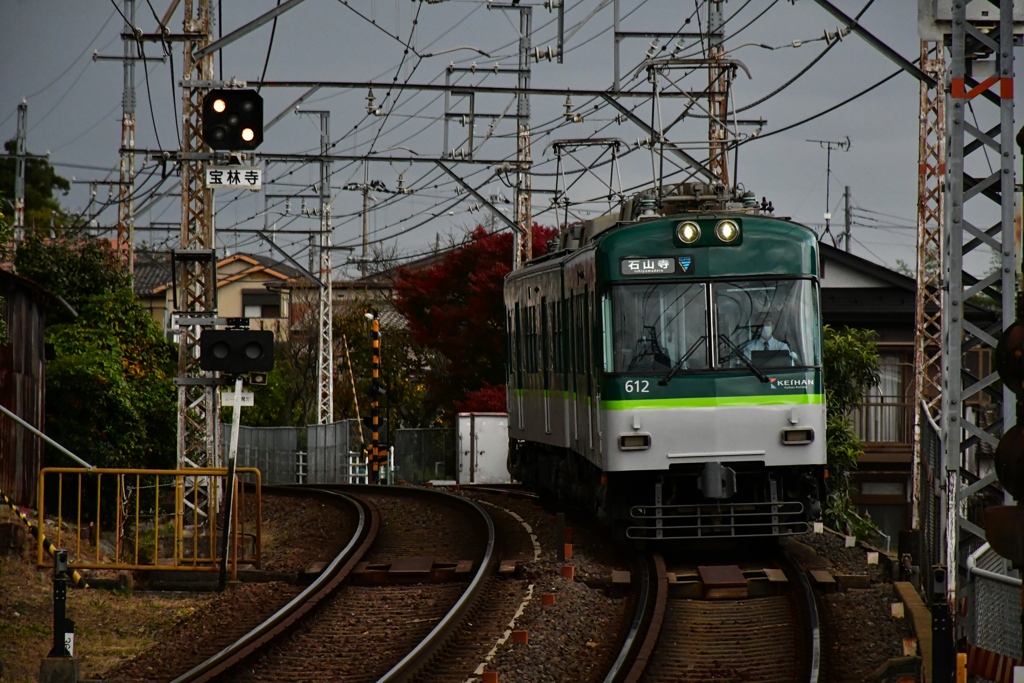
<point>113,628</point>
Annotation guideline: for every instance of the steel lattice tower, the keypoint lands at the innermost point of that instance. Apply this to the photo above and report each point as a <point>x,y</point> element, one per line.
<point>718,101</point>
<point>972,95</point>
<point>195,261</point>
<point>931,171</point>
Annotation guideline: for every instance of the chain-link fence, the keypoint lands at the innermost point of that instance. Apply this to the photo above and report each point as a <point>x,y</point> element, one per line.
<point>994,604</point>
<point>424,454</point>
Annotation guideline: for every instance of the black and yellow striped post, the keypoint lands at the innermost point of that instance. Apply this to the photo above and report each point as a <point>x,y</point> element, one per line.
<point>374,392</point>
<point>47,543</point>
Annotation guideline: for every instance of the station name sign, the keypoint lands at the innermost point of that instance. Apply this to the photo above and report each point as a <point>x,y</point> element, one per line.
<point>657,265</point>
<point>237,177</point>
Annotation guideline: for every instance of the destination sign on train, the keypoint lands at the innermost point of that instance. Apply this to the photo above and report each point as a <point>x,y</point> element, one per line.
<point>661,265</point>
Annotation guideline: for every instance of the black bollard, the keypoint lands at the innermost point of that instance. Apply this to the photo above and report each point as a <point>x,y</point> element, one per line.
<point>60,598</point>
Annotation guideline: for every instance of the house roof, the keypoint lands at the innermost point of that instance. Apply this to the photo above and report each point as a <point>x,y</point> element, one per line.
<point>870,273</point>
<point>253,264</point>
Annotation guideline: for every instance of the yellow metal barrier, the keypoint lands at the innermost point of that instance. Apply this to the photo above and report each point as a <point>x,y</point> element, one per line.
<point>154,519</point>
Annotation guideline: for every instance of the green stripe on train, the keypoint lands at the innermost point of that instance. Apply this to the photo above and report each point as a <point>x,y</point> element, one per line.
<point>714,402</point>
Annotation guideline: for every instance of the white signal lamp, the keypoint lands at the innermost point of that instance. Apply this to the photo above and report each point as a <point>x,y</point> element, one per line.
<point>219,106</point>
<point>247,134</point>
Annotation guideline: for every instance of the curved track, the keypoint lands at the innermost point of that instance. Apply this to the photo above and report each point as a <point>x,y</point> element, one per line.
<point>769,638</point>
<point>322,629</point>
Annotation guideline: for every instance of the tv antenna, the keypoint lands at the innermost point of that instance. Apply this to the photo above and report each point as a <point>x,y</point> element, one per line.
<point>830,145</point>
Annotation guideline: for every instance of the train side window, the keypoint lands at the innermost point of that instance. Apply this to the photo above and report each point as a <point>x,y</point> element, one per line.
<point>545,354</point>
<point>518,343</point>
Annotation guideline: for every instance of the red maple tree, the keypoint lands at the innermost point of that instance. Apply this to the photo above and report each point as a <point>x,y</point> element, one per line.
<point>456,308</point>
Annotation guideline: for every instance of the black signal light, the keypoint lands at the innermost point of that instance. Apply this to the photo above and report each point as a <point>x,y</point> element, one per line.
<point>1009,358</point>
<point>233,119</point>
<point>236,351</point>
<point>375,390</point>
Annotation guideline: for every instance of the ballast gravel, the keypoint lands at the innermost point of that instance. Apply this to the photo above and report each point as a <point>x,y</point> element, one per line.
<point>576,638</point>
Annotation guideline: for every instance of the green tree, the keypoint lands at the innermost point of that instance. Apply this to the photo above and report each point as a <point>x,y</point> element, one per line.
<point>41,182</point>
<point>851,367</point>
<point>73,269</point>
<point>6,234</point>
<point>109,391</point>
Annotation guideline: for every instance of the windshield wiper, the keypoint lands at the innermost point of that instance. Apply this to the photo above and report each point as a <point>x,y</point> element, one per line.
<point>746,361</point>
<point>679,363</point>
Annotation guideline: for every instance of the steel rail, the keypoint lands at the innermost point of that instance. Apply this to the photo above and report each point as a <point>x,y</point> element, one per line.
<point>419,656</point>
<point>643,600</point>
<point>284,618</point>
<point>807,594</point>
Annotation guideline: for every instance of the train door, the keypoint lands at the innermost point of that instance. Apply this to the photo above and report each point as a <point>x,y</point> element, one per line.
<point>518,337</point>
<point>588,362</point>
<point>573,367</point>
<point>545,360</point>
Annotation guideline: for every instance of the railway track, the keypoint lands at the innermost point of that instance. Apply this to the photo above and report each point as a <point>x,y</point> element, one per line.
<point>369,616</point>
<point>756,623</point>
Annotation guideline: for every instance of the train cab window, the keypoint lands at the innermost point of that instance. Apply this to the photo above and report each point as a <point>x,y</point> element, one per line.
<point>652,327</point>
<point>770,323</point>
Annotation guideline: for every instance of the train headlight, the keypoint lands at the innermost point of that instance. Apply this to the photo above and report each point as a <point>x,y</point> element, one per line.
<point>634,442</point>
<point>688,232</point>
<point>797,437</point>
<point>727,231</point>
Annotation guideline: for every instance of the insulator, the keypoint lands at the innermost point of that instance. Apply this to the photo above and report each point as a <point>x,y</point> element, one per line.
<point>653,50</point>
<point>568,108</point>
<point>370,109</point>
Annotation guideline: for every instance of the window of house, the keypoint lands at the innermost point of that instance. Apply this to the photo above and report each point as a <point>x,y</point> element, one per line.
<point>261,303</point>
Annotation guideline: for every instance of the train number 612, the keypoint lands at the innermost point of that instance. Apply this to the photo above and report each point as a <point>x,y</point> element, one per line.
<point>641,385</point>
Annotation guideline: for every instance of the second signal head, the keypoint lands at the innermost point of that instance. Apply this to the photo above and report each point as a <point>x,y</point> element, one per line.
<point>233,119</point>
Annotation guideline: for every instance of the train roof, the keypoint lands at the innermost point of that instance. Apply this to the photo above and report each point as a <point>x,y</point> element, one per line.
<point>767,246</point>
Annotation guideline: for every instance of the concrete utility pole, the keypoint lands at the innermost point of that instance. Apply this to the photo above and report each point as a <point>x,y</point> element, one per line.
<point>19,174</point>
<point>126,189</point>
<point>718,101</point>
<point>325,326</point>
<point>846,215</point>
<point>524,177</point>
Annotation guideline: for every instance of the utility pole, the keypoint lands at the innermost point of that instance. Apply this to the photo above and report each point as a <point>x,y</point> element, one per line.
<point>126,203</point>
<point>846,232</point>
<point>718,101</point>
<point>325,327</point>
<point>830,145</point>
<point>524,176</point>
<point>364,188</point>
<point>195,260</point>
<point>19,174</point>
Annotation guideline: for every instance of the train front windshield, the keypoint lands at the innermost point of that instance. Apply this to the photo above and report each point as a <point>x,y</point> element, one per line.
<point>710,326</point>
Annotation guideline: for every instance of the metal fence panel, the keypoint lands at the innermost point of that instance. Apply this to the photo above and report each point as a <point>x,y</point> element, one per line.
<point>327,448</point>
<point>272,450</point>
<point>423,454</point>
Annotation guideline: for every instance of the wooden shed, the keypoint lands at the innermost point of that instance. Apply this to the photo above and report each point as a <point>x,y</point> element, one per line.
<point>22,386</point>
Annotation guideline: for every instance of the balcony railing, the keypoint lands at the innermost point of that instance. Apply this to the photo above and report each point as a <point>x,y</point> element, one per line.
<point>885,420</point>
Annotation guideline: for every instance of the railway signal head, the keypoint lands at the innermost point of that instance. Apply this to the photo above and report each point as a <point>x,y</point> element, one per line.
<point>236,352</point>
<point>375,390</point>
<point>233,119</point>
<point>1010,357</point>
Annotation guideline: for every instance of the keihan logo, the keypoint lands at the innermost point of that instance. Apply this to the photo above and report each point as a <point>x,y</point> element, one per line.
<point>685,262</point>
<point>789,383</point>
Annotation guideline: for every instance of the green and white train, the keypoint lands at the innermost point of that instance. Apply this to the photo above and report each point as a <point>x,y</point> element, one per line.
<point>664,370</point>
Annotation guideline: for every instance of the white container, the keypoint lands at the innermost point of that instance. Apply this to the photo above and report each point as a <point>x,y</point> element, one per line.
<point>483,448</point>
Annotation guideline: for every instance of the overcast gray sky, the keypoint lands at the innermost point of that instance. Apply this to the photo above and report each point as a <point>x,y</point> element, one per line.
<point>75,104</point>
